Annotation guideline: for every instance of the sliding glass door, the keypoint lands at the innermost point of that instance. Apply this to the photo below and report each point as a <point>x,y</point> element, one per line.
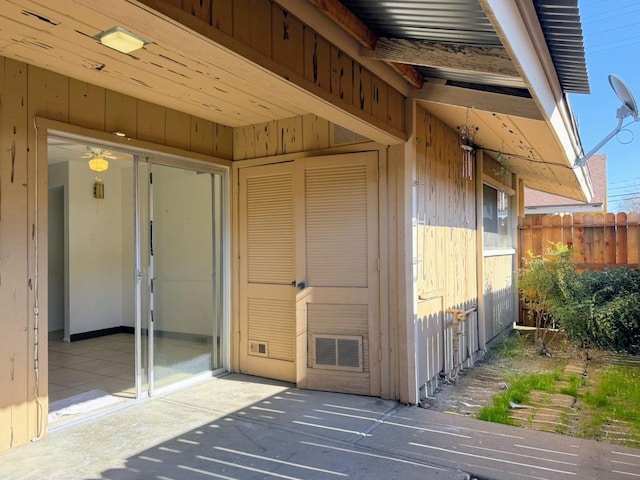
<point>180,281</point>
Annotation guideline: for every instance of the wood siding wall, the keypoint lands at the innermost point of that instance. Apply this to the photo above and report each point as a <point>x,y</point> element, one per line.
<point>445,238</point>
<point>274,38</point>
<point>306,133</point>
<point>27,92</point>
<point>500,304</point>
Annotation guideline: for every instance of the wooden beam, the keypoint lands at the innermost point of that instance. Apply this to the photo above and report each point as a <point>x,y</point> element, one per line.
<point>350,23</point>
<point>493,60</point>
<point>344,17</point>
<point>479,100</point>
<point>409,73</point>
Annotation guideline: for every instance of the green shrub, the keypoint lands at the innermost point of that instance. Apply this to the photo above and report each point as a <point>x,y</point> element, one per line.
<point>602,309</point>
<point>544,284</point>
<point>595,308</point>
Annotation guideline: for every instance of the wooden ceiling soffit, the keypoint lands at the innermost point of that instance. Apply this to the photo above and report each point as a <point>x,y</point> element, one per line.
<point>493,60</point>
<point>264,33</point>
<point>335,10</point>
<point>476,99</point>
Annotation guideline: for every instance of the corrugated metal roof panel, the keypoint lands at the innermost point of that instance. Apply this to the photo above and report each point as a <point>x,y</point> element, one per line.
<point>455,21</point>
<point>464,22</point>
<point>562,28</point>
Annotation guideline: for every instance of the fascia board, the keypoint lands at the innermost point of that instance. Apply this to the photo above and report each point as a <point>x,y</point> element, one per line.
<point>517,26</point>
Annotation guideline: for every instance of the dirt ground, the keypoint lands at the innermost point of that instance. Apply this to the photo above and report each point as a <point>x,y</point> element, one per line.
<point>476,387</point>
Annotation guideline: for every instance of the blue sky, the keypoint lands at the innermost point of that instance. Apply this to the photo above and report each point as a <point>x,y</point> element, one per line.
<point>611,31</point>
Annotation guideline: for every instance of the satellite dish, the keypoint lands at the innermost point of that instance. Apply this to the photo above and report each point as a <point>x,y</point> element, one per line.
<point>628,108</point>
<point>624,94</point>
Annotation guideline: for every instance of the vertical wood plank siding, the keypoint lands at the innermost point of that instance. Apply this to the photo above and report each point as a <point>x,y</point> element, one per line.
<point>277,35</point>
<point>446,241</point>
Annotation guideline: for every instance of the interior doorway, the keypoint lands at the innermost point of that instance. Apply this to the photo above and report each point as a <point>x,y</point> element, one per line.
<point>135,274</point>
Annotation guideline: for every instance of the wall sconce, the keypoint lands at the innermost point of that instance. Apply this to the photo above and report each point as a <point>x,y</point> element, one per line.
<point>121,40</point>
<point>98,189</point>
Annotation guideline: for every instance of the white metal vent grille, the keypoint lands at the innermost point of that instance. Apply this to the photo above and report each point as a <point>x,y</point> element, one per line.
<point>260,349</point>
<point>338,352</point>
<point>344,136</point>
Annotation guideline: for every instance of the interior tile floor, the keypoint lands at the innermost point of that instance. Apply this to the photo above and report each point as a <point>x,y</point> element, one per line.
<point>107,364</point>
<point>102,363</point>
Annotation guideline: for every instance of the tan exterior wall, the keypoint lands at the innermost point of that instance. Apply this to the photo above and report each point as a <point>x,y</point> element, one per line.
<point>445,247</point>
<point>27,92</point>
<point>499,294</point>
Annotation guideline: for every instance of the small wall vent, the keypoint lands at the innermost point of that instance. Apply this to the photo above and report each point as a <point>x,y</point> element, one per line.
<point>344,136</point>
<point>260,349</point>
<point>338,352</point>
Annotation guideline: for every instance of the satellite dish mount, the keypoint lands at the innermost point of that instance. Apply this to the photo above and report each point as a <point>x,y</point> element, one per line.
<point>629,108</point>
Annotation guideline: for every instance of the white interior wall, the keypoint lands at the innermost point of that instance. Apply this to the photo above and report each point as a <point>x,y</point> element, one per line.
<point>95,250</point>
<point>183,254</point>
<point>59,178</point>
<point>127,241</point>
<point>99,238</point>
<point>56,259</point>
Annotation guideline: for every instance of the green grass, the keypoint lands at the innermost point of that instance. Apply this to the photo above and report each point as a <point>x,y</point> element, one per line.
<point>616,396</point>
<point>518,392</point>
<point>512,346</point>
<point>575,382</point>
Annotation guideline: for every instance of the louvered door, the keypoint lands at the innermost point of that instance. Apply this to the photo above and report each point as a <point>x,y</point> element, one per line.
<point>267,238</point>
<point>339,308</point>
<point>309,272</point>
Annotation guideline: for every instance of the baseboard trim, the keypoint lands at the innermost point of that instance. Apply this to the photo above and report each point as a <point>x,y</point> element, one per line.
<point>101,333</point>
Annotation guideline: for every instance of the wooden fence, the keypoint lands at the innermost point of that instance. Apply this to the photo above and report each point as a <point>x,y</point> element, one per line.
<point>599,240</point>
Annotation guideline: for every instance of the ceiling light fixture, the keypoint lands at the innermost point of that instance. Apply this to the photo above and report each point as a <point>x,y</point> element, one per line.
<point>98,164</point>
<point>98,159</point>
<point>121,40</point>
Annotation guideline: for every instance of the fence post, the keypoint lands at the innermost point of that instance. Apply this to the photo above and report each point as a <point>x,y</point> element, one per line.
<point>633,238</point>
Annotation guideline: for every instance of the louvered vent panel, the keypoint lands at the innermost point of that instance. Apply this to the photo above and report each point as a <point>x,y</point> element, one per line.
<point>343,136</point>
<point>334,321</point>
<point>349,353</point>
<point>273,322</point>
<point>270,234</point>
<point>338,353</point>
<point>336,222</point>
<point>326,353</point>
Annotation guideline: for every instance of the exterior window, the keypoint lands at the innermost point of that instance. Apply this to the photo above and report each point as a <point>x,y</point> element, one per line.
<point>497,218</point>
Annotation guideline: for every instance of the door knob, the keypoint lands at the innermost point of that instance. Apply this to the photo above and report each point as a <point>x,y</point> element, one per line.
<point>301,286</point>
